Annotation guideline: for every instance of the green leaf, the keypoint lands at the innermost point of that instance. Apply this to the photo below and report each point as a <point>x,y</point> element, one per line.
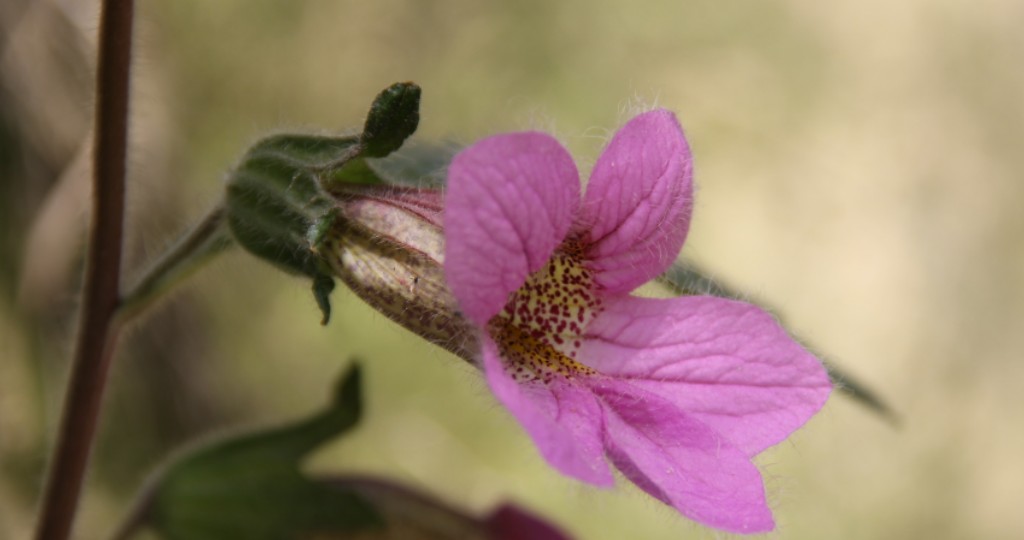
<point>250,487</point>
<point>281,189</point>
<point>686,279</point>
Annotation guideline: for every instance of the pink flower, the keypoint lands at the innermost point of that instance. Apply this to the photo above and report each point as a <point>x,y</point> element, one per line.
<point>679,394</point>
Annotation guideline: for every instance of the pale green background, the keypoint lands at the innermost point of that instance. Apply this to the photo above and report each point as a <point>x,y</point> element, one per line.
<point>859,166</point>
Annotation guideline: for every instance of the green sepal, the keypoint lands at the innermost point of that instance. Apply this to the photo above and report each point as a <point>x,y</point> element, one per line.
<point>318,231</point>
<point>417,164</point>
<point>323,283</point>
<point>251,487</point>
<point>274,196</point>
<point>686,279</point>
<point>322,287</point>
<point>282,187</point>
<point>393,117</point>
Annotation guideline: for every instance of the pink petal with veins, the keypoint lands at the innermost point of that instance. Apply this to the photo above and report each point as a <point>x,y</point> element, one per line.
<point>681,461</point>
<point>511,201</point>
<point>562,417</point>
<point>637,207</point>
<point>726,363</point>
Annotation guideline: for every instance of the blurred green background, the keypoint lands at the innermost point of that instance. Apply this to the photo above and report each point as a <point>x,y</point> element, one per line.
<point>859,167</point>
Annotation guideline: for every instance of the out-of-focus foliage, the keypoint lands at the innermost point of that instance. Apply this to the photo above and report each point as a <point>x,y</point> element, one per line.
<point>858,166</point>
<point>251,487</point>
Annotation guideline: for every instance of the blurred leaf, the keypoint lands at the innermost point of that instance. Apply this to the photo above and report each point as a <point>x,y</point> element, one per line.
<point>250,487</point>
<point>685,278</point>
<point>279,192</point>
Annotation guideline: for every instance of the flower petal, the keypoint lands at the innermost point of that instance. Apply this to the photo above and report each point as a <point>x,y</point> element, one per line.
<point>728,364</point>
<point>638,202</point>
<point>511,200</point>
<point>681,461</point>
<point>563,419</point>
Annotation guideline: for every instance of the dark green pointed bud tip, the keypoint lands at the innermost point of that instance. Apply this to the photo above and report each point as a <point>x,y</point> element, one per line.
<point>393,117</point>
<point>322,287</point>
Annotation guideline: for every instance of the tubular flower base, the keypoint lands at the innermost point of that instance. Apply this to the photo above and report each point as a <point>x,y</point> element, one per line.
<point>679,394</point>
<point>386,244</point>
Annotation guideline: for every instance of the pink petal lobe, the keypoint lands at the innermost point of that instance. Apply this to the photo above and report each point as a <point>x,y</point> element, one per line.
<point>638,202</point>
<point>510,202</point>
<point>726,363</point>
<point>681,461</point>
<point>562,417</point>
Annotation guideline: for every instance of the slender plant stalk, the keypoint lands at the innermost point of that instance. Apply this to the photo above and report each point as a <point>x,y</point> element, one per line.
<point>207,238</point>
<point>97,331</point>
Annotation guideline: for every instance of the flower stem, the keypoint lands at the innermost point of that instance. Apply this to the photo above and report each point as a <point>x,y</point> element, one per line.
<point>98,329</point>
<point>207,238</point>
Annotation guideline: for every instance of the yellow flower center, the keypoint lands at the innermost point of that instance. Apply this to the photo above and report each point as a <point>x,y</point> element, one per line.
<point>540,329</point>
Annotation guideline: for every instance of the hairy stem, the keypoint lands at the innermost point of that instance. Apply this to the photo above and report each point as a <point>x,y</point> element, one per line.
<point>97,331</point>
<point>207,238</point>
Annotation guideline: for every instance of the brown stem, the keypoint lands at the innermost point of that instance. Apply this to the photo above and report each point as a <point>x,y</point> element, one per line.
<point>97,334</point>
